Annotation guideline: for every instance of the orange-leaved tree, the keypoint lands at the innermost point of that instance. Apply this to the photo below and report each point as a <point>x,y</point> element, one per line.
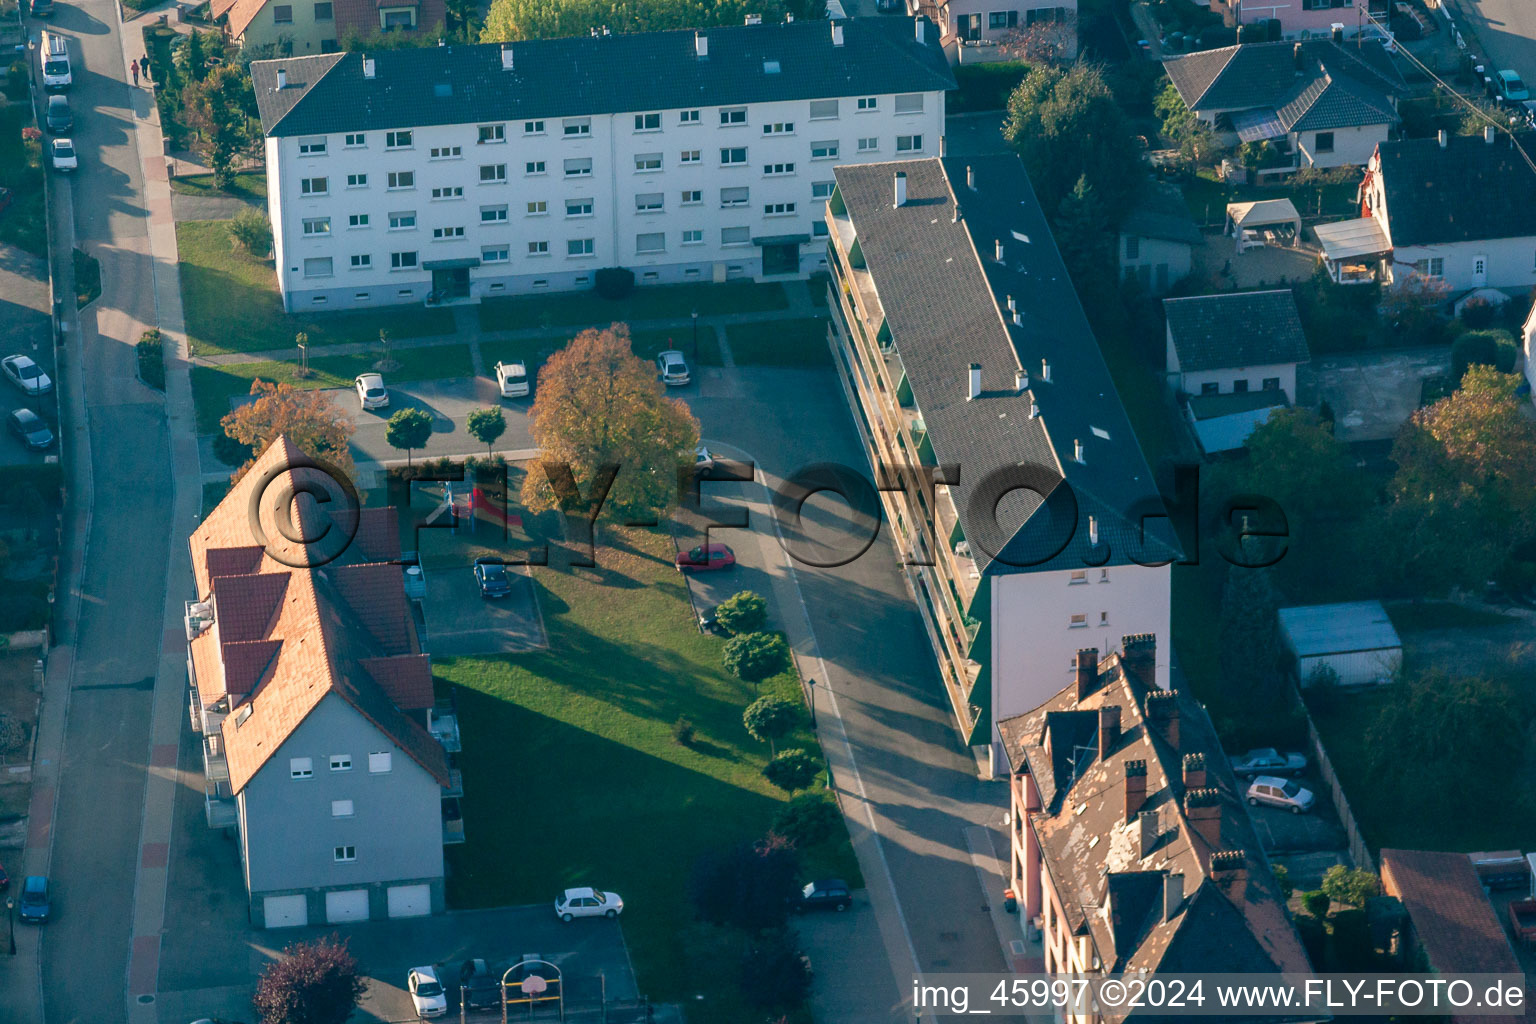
<point>309,418</point>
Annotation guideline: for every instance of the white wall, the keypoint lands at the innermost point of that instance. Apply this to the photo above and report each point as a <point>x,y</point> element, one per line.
<point>1510,262</point>
<point>1356,668</point>
<point>956,10</point>
<point>1035,645</point>
<point>613,187</point>
<point>1528,349</point>
<point>1152,253</point>
<point>1225,379</point>
<point>1351,146</point>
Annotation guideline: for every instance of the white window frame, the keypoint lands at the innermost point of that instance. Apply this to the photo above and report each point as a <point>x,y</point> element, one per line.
<point>344,854</point>
<point>538,248</point>
<point>908,98</point>
<point>307,186</point>
<point>837,109</point>
<point>692,197</point>
<point>574,169</point>
<point>779,128</point>
<point>697,236</point>
<point>647,163</point>
<point>534,128</point>
<point>583,208</point>
<point>357,180</point>
<point>447,234</point>
<point>380,762</point>
<point>536,208</point>
<point>361,261</point>
<point>648,122</point>
<point>656,202</point>
<point>688,117</point>
<point>312,147</point>
<point>493,214</point>
<point>576,127</point>
<point>397,261</point>
<point>587,248</point>
<point>728,156</point>
<point>830,148</point>
<point>343,809</point>
<point>651,234</point>
<point>497,134</point>
<point>315,227</point>
<point>355,140</point>
<point>495,254</point>
<point>746,237</point>
<point>909,143</point>
<point>446,153</point>
<point>341,762</point>
<point>779,169</point>
<point>301,768</point>
<point>396,181</point>
<point>357,221</point>
<point>498,174</point>
<point>406,220</point>
<point>873,144</point>
<point>403,138</point>
<point>532,168</point>
<point>691,156</point>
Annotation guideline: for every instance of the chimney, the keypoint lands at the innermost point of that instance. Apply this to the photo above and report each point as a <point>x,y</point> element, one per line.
<point>1162,713</point>
<point>368,67</point>
<point>1488,134</point>
<point>789,19</point>
<point>282,78</point>
<point>1194,771</point>
<point>901,188</point>
<point>917,23</point>
<point>1018,319</point>
<point>970,177</point>
<point>1298,59</point>
<point>1229,870</point>
<point>1020,381</point>
<point>1445,138</point>
<point>837,34</point>
<point>1146,833</point>
<point>1173,894</point>
<point>506,57</point>
<point>1087,671</point>
<point>701,46</point>
<point>1045,370</point>
<point>1135,788</point>
<point>1077,450</point>
<point>997,249</point>
<point>754,19</point>
<point>1139,657</point>
<point>973,385</point>
<point>1012,306</point>
<point>1093,531</point>
<point>1109,730</point>
<point>1034,410</point>
<point>1203,809</point>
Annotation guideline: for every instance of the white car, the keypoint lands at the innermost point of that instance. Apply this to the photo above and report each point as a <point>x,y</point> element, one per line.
<point>575,903</point>
<point>26,374</point>
<point>672,368</point>
<point>371,391</point>
<point>1277,792</point>
<point>427,993</point>
<point>512,378</point>
<point>63,154</point>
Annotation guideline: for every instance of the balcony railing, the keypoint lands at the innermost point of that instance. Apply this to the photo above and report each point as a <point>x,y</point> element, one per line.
<point>215,763</point>
<point>220,811</point>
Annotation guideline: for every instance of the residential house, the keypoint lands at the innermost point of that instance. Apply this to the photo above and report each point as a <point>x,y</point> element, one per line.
<point>1450,211</point>
<point>1454,929</point>
<point>1158,238</point>
<point>1018,496</point>
<point>1321,102</point>
<point>986,30</point>
<point>1129,843</point>
<point>1307,18</point>
<point>457,172</point>
<point>314,701</point>
<point>322,26</point>
<point>1234,356</point>
<point>1528,348</point>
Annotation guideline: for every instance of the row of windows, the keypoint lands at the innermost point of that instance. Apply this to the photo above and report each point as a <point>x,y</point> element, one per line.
<point>304,767</point>
<point>1239,386</point>
<point>580,127</point>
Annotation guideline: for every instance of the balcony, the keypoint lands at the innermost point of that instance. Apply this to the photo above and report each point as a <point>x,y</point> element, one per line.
<point>443,724</point>
<point>219,810</point>
<point>215,764</point>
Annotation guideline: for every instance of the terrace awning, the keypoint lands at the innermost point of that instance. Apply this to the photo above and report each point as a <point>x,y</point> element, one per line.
<point>1347,239</point>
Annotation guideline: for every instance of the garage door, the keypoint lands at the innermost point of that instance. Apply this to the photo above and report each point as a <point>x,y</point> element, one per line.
<point>410,900</point>
<point>347,905</point>
<point>286,911</point>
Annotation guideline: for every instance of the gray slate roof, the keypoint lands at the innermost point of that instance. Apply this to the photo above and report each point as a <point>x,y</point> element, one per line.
<point>1316,629</point>
<point>1217,332</point>
<point>944,297</point>
<point>1267,75</point>
<point>585,75</point>
<point>1467,191</point>
<point>1161,212</point>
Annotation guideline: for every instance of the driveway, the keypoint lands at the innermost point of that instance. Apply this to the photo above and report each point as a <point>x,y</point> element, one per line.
<point>460,621</point>
<point>1372,394</point>
<point>25,327</point>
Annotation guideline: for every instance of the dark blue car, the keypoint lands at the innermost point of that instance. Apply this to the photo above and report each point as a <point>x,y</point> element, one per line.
<point>491,574</point>
<point>34,905</point>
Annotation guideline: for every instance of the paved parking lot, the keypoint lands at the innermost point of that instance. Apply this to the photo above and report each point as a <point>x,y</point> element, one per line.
<point>460,621</point>
<point>450,402</point>
<point>1372,394</point>
<point>1282,831</point>
<point>25,327</point>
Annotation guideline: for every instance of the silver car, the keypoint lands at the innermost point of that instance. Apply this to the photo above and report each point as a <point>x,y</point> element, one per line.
<point>672,368</point>
<point>1277,792</point>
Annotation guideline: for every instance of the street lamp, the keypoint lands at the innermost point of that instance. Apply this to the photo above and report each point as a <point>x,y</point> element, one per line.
<point>695,336</point>
<point>10,915</point>
<point>810,685</point>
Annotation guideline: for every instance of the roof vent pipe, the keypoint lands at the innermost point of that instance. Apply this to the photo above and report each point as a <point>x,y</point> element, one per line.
<point>1488,133</point>
<point>998,250</point>
<point>1012,308</point>
<point>901,188</point>
<point>1445,138</point>
<point>700,45</point>
<point>282,78</point>
<point>970,177</point>
<point>506,57</point>
<point>1093,521</point>
<point>368,67</point>
<point>1021,380</point>
<point>1077,456</point>
<point>837,34</point>
<point>973,384</point>
<point>1045,370</point>
<point>1018,319</point>
<point>1297,58</point>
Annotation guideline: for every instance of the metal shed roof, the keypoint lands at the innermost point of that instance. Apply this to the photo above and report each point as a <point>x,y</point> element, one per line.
<point>1320,629</point>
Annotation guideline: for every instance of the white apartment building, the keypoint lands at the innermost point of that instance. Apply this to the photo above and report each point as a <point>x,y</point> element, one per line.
<point>457,172</point>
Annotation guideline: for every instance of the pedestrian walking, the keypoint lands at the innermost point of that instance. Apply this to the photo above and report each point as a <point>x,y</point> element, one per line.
<point>134,67</point>
<point>144,67</point>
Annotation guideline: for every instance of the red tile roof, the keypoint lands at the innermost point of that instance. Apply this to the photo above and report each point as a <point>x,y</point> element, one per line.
<point>360,18</point>
<point>1451,914</point>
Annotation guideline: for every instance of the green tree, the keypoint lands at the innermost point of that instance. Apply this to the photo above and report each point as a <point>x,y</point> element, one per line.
<point>312,983</point>
<point>486,425</point>
<point>753,657</point>
<point>748,886</point>
<point>1193,136</point>
<point>774,974</point>
<point>250,231</point>
<point>1065,124</point>
<point>511,20</point>
<point>743,612</point>
<point>1316,903</point>
<point>807,819</point>
<point>1294,458</point>
<point>1494,347</point>
<point>768,719</point>
<point>221,106</point>
<point>1083,234</point>
<point>792,770</point>
<point>409,429</point>
<point>1351,886</point>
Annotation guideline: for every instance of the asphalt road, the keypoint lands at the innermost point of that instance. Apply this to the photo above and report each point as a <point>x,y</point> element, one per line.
<point>106,748</point>
<point>1506,29</point>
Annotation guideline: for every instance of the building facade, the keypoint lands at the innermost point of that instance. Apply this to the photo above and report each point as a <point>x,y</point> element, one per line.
<point>459,172</point>
<point>302,27</point>
<point>1306,18</point>
<point>1009,474</point>
<point>986,30</point>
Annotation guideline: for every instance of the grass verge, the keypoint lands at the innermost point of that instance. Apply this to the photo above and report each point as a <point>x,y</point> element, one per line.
<point>800,342</point>
<point>1419,616</point>
<point>248,185</point>
<point>653,303</point>
<point>232,304</point>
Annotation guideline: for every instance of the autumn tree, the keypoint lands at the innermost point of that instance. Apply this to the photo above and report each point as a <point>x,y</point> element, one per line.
<point>309,419</point>
<point>486,426</point>
<point>313,983</point>
<point>601,415</point>
<point>409,429</point>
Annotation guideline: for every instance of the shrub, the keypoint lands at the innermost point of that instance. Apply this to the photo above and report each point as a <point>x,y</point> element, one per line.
<point>13,735</point>
<point>1323,688</point>
<point>775,975</point>
<point>250,231</point>
<point>1283,880</point>
<point>747,886</point>
<point>682,732</point>
<point>1477,314</point>
<point>150,351</point>
<point>743,612</point>
<point>614,283</point>
<point>1316,903</point>
<point>1352,886</point>
<point>769,718</point>
<point>231,452</point>
<point>807,819</point>
<point>791,770</point>
<point>1480,348</point>
<point>313,983</point>
<point>753,657</point>
<point>16,79</point>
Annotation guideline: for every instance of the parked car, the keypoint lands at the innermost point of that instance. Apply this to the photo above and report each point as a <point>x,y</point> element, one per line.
<point>35,904</point>
<point>825,894</point>
<point>42,8</point>
<point>426,990</point>
<point>27,375</point>
<point>29,427</point>
<point>574,903</point>
<point>63,155</point>
<point>705,557</point>
<point>512,378</point>
<point>1274,791</point>
<point>59,120</point>
<point>1267,761</point>
<point>480,984</point>
<point>672,368</point>
<point>491,575</point>
<point>371,391</point>
<point>709,622</point>
<point>1510,87</point>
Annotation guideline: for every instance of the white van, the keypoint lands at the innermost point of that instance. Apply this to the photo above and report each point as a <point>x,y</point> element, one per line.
<point>53,51</point>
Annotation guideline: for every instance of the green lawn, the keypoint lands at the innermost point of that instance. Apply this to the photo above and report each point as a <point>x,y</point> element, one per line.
<point>572,777</point>
<point>650,303</point>
<point>801,342</point>
<point>214,386</point>
<point>1208,198</point>
<point>248,185</point>
<point>232,305</point>
<point>1418,616</point>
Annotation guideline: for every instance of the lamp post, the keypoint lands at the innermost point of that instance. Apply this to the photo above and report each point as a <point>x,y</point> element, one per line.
<point>810,685</point>
<point>695,336</point>
<point>10,915</point>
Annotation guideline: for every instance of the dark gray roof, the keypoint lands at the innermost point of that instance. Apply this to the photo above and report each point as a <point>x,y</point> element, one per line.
<point>1469,190</point>
<point>944,296</point>
<point>1269,75</point>
<point>603,75</point>
<point>1217,332</point>
<point>1328,102</point>
<point>1161,212</point>
<point>1210,407</point>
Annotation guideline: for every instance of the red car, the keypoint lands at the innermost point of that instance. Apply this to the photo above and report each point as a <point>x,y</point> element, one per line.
<point>705,557</point>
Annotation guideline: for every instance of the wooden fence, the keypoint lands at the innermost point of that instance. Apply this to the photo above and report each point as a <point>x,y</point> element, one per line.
<point>1358,851</point>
